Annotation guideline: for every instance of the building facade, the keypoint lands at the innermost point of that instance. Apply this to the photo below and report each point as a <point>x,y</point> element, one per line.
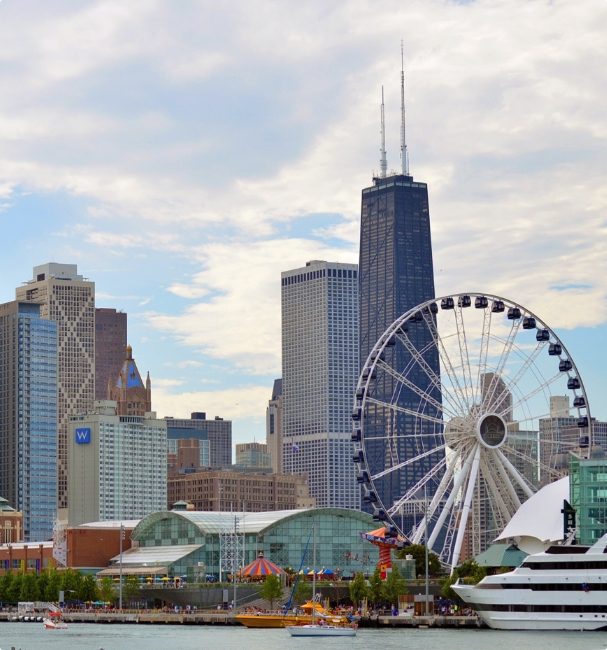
<point>217,433</point>
<point>188,543</point>
<point>274,427</point>
<point>127,388</point>
<point>396,274</point>
<point>28,416</point>
<point>67,299</point>
<point>225,490</point>
<point>117,465</point>
<point>253,455</point>
<point>110,344</point>
<point>319,373</point>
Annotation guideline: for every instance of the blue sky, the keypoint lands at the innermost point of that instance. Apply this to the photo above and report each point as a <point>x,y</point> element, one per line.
<point>183,154</point>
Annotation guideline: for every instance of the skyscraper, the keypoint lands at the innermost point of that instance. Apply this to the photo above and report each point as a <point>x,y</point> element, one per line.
<point>28,416</point>
<point>110,343</point>
<point>396,274</point>
<point>69,300</point>
<point>319,371</point>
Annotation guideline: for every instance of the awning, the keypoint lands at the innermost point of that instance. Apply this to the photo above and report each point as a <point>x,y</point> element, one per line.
<point>134,571</point>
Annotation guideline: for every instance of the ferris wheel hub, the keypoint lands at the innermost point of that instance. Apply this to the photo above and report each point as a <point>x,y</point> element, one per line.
<point>491,430</point>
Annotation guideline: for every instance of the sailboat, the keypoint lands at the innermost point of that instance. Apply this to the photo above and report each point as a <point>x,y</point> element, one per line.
<point>322,627</point>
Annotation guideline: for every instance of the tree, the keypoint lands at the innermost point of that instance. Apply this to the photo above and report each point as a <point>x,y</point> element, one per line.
<point>53,582</point>
<point>5,586</point>
<point>469,570</point>
<point>376,588</point>
<point>358,589</point>
<point>303,592</point>
<point>14,589</point>
<point>418,551</point>
<point>88,589</point>
<point>131,589</point>
<point>29,587</point>
<point>394,586</point>
<point>107,593</point>
<point>272,589</point>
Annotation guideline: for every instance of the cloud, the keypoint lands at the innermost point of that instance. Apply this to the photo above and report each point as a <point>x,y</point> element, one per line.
<point>240,321</point>
<point>216,135</point>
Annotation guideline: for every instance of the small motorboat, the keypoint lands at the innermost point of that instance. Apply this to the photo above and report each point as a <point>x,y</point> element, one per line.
<point>54,622</point>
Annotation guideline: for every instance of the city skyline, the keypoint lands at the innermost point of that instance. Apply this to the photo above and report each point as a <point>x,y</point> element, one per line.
<point>183,173</point>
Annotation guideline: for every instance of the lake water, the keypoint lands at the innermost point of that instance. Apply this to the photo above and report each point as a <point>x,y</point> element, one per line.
<point>32,636</point>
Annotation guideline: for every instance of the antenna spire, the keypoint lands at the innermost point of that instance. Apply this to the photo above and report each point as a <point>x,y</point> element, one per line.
<point>404,155</point>
<point>383,161</point>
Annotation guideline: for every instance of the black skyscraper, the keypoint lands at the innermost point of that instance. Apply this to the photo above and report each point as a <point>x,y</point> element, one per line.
<point>395,274</point>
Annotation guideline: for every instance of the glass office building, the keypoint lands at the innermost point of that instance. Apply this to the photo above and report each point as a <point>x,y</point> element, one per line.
<point>28,416</point>
<point>185,543</point>
<point>396,274</point>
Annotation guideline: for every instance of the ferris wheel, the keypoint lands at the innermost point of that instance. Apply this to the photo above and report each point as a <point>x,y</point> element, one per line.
<point>465,407</point>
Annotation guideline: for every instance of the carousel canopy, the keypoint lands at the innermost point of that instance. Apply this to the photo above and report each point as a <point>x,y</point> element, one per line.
<point>260,567</point>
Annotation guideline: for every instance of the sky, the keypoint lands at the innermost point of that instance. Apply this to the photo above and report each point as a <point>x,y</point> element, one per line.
<point>183,154</point>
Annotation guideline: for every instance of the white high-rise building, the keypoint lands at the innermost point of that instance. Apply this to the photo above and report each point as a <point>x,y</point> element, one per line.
<point>117,465</point>
<point>68,299</point>
<point>319,373</point>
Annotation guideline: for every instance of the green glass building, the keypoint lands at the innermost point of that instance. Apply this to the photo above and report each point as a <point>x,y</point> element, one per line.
<point>192,544</point>
<point>588,496</point>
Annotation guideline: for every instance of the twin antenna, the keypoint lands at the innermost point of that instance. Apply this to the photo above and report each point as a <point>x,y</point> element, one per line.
<point>404,156</point>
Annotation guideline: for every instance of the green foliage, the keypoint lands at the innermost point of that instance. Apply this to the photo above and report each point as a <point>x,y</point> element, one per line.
<point>303,591</point>
<point>53,584</point>
<point>107,592</point>
<point>88,589</point>
<point>376,588</point>
<point>271,590</point>
<point>394,586</point>
<point>14,590</point>
<point>71,584</point>
<point>5,586</point>
<point>358,589</point>
<point>130,589</point>
<point>469,571</point>
<point>29,587</point>
<point>418,551</point>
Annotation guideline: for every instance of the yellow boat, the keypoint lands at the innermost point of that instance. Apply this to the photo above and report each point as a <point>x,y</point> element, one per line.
<point>262,619</point>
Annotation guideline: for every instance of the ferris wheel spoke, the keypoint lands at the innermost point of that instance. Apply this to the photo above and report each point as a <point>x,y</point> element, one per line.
<point>496,476</point>
<point>512,383</point>
<point>409,461</point>
<point>541,467</point>
<point>405,436</point>
<point>523,399</point>
<point>406,411</point>
<point>514,473</point>
<point>447,366</point>
<point>483,352</point>
<point>465,511</point>
<point>464,355</point>
<point>414,489</point>
<point>460,406</point>
<point>425,396</point>
<point>499,371</point>
<point>435,380</point>
<point>458,481</point>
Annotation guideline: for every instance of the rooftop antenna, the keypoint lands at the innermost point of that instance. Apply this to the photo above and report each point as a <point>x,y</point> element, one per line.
<point>404,155</point>
<point>383,162</point>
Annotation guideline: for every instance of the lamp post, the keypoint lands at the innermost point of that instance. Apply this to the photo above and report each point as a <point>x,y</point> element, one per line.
<point>120,585</point>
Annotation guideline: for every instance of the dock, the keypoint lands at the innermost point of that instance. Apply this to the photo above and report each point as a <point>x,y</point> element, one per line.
<point>213,617</point>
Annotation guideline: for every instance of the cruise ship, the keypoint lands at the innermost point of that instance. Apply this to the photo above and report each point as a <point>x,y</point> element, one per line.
<point>562,588</point>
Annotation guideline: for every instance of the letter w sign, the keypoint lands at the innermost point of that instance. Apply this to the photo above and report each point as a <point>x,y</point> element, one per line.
<point>83,436</point>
